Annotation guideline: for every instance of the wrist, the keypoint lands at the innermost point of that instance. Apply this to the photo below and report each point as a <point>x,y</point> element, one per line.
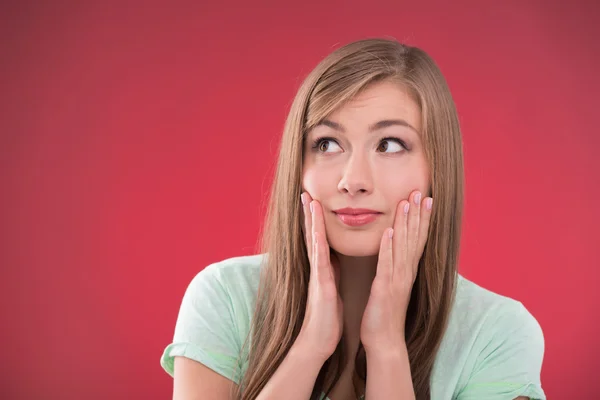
<point>389,373</point>
<point>388,353</point>
<point>306,354</point>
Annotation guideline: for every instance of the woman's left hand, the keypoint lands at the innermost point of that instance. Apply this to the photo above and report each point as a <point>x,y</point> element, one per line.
<point>383,323</point>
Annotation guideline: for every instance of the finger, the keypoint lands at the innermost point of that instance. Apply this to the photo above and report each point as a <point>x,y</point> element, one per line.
<point>335,266</point>
<point>305,197</point>
<point>322,252</point>
<point>385,263</point>
<point>414,220</point>
<point>424,225</point>
<point>400,233</point>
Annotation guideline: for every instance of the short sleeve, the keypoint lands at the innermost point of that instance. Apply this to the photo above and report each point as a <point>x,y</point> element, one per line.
<point>510,360</point>
<point>204,330</point>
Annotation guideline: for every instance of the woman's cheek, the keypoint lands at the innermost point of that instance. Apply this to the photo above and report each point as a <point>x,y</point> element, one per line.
<point>399,186</point>
<point>317,182</point>
<point>307,182</point>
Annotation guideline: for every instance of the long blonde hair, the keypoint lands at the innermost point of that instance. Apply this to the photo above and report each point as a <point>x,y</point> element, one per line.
<point>282,294</point>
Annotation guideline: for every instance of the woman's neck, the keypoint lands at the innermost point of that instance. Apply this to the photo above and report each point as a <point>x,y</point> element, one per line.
<point>356,277</point>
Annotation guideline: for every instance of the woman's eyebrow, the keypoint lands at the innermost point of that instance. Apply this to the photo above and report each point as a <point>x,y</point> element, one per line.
<point>373,127</point>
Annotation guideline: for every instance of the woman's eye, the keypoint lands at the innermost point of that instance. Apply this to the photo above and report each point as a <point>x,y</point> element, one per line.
<point>323,145</point>
<point>387,145</point>
<point>395,145</point>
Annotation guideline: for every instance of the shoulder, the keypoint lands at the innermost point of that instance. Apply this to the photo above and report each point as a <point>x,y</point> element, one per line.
<point>480,317</point>
<point>238,264</point>
<point>488,312</point>
<point>224,290</point>
<point>493,341</point>
<point>231,274</point>
<point>215,313</point>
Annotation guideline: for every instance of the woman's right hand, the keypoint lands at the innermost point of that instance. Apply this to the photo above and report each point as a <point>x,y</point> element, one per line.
<point>323,320</point>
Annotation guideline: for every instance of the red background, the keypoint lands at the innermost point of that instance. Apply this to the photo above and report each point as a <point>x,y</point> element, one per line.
<point>138,141</point>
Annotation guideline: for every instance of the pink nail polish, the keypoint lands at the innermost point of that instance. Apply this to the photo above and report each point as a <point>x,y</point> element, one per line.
<point>429,203</point>
<point>417,198</point>
<point>406,207</point>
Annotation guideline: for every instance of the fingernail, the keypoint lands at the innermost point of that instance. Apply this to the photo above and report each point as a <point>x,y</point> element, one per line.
<point>391,233</point>
<point>406,207</point>
<point>429,202</point>
<point>302,199</point>
<point>418,198</point>
<point>311,207</point>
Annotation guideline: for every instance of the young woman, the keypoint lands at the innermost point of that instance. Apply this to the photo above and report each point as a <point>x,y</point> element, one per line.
<point>356,292</point>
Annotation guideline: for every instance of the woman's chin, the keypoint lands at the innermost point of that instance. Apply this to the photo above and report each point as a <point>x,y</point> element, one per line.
<point>355,248</point>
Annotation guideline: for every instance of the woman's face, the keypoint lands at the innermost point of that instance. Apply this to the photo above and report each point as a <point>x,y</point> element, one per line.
<point>367,154</point>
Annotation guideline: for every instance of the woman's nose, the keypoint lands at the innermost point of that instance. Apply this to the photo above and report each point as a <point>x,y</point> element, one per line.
<point>356,176</point>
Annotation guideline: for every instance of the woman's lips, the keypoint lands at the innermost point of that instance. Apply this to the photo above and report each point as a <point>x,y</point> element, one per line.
<point>358,219</point>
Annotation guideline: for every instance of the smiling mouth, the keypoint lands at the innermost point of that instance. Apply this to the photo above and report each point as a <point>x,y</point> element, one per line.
<point>357,219</point>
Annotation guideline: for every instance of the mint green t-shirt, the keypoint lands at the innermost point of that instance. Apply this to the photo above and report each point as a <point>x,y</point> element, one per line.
<point>492,348</point>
